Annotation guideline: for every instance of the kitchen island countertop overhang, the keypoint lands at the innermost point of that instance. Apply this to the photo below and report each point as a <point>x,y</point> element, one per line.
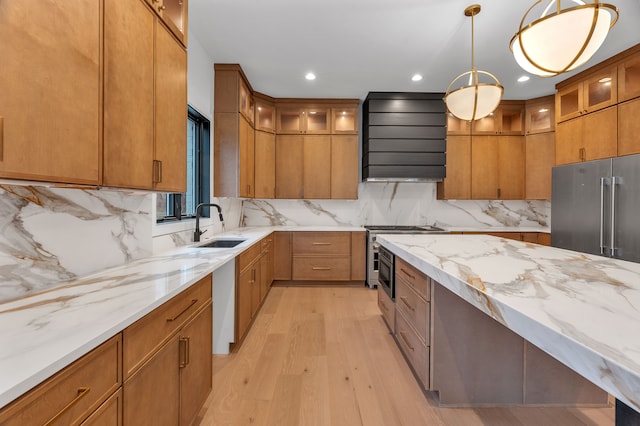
<point>583,310</point>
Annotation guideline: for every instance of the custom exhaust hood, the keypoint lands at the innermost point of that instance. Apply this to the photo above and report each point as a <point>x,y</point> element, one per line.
<point>404,137</point>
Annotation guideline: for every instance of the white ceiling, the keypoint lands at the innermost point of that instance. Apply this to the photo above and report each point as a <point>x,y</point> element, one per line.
<point>358,46</point>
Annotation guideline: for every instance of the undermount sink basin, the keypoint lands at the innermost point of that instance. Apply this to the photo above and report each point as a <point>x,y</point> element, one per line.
<point>221,243</point>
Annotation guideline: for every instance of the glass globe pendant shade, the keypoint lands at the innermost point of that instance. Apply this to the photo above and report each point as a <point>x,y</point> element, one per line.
<point>476,100</point>
<point>563,40</point>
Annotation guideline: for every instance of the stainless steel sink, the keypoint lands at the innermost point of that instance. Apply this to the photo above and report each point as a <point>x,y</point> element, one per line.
<point>221,243</point>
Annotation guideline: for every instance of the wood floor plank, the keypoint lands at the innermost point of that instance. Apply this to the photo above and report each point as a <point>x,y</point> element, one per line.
<point>319,356</point>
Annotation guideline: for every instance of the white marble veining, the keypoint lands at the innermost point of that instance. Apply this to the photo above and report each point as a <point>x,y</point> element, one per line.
<point>397,203</point>
<point>584,310</point>
<point>42,333</point>
<point>53,235</point>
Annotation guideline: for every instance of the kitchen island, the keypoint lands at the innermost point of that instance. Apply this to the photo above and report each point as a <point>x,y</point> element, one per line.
<point>581,309</point>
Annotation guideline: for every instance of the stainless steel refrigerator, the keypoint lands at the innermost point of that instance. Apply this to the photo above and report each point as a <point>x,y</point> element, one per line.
<point>595,207</point>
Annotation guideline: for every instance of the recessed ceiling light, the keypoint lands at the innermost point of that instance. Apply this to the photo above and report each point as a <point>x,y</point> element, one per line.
<point>310,76</point>
<point>523,79</point>
<point>416,77</point>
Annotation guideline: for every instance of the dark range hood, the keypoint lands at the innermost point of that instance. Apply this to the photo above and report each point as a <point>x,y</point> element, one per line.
<point>404,137</point>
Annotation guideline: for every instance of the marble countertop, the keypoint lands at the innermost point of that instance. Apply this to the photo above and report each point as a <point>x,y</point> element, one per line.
<point>582,309</point>
<point>497,229</point>
<point>42,333</point>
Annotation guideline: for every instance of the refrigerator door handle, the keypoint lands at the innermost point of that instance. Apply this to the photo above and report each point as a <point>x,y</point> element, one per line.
<point>614,181</point>
<point>603,181</point>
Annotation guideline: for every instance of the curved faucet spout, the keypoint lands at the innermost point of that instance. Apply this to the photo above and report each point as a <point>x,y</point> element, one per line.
<point>197,232</point>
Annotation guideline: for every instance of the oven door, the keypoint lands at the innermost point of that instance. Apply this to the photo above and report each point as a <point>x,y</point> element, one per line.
<point>386,261</point>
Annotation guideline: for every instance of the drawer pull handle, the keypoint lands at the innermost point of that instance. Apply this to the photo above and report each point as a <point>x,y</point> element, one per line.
<point>1,138</point>
<point>413,277</point>
<point>81,393</point>
<point>184,352</point>
<point>406,341</point>
<point>320,244</point>
<point>404,300</point>
<point>320,268</point>
<point>193,302</point>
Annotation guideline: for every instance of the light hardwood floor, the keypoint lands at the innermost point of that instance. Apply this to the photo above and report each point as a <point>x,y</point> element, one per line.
<point>323,356</point>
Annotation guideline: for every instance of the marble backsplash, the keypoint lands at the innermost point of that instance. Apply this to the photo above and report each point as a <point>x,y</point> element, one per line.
<point>53,235</point>
<point>395,203</point>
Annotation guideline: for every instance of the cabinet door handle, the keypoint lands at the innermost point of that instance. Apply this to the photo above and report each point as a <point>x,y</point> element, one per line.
<point>1,138</point>
<point>184,352</point>
<point>406,341</point>
<point>320,244</point>
<point>193,302</point>
<point>583,154</point>
<point>81,393</point>
<point>413,277</point>
<point>404,300</point>
<point>320,268</point>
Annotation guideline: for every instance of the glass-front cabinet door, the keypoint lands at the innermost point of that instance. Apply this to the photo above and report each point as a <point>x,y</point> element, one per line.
<point>629,79</point>
<point>318,120</point>
<point>569,102</point>
<point>308,120</point>
<point>600,90</point>
<point>344,120</point>
<point>174,14</point>
<point>539,115</point>
<point>265,116</point>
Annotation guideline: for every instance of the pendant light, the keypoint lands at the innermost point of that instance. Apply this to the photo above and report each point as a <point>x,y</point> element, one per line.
<point>482,92</point>
<point>561,39</point>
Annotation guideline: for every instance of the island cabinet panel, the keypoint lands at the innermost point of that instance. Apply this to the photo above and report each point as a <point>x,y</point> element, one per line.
<point>387,307</point>
<point>50,81</point>
<point>74,393</point>
<point>108,414</point>
<point>475,359</point>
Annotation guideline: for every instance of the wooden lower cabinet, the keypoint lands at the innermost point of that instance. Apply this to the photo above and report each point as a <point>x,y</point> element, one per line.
<point>73,394</point>
<point>255,274</point>
<point>387,308</point>
<point>108,414</point>
<point>282,255</point>
<point>172,385</point>
<point>328,256</point>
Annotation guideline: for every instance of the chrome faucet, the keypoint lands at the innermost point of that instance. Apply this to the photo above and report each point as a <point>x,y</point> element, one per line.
<point>197,232</point>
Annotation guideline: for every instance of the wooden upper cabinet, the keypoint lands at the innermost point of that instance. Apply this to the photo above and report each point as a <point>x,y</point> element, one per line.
<point>539,160</point>
<point>629,79</point>
<point>317,167</point>
<point>344,120</point>
<point>539,115</point>
<point>289,166</point>
<point>497,167</point>
<point>265,116</point>
<point>292,119</point>
<point>592,137</point>
<point>457,183</point>
<point>246,105</point>
<point>50,90</point>
<point>174,14</point>
<point>457,126</point>
<point>144,146</point>
<point>629,127</point>
<point>507,119</point>
<point>265,164</point>
<point>246,167</point>
<point>593,93</point>
<point>170,113</point>
<point>344,173</point>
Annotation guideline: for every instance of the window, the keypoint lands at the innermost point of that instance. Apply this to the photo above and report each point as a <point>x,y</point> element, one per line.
<point>170,207</point>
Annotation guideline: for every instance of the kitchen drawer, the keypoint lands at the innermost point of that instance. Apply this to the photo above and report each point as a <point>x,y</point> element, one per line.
<point>414,349</point>
<point>145,336</point>
<point>72,394</point>
<point>387,308</point>
<point>416,279</point>
<point>321,268</point>
<point>108,414</point>
<point>322,243</point>
<point>249,256</point>
<point>414,308</point>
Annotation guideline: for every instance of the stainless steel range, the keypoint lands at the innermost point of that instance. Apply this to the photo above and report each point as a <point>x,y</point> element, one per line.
<point>373,248</point>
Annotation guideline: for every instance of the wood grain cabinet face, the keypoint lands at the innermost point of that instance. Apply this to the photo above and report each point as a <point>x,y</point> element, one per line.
<point>387,307</point>
<point>74,393</point>
<point>540,115</point>
<point>321,256</point>
<point>457,183</point>
<point>507,119</point>
<point>590,137</point>
<point>50,107</point>
<point>629,79</point>
<point>174,14</point>
<point>497,167</point>
<point>265,164</point>
<point>582,97</point>
<point>539,161</point>
<point>144,66</point>
<point>174,379</point>
<point>265,116</point>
